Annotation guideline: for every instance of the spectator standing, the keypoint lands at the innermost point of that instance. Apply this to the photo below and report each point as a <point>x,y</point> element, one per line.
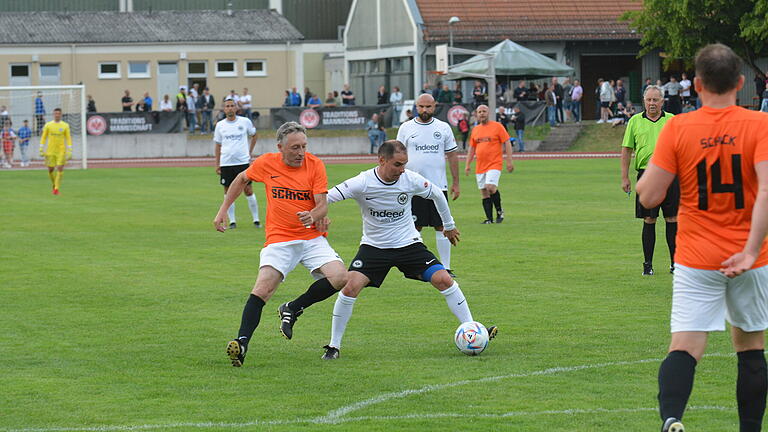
<point>458,96</point>
<point>518,117</point>
<point>347,96</point>
<point>140,105</point>
<point>463,126</point>
<point>760,81</point>
<point>558,89</point>
<point>314,101</point>
<point>373,131</point>
<point>330,100</point>
<point>307,96</point>
<point>673,89</point>
<point>382,96</point>
<point>91,107</point>
<point>195,90</point>
<point>246,104</point>
<point>645,86</point>
<point>295,97</point>
<point>605,93</point>
<point>396,99</point>
<point>4,115</point>
<point>8,137</point>
<point>551,99</point>
<point>576,94</point>
<point>191,113</point>
<point>165,104</point>
<point>147,102</point>
<point>479,94</point>
<point>685,92</point>
<point>533,91</point>
<point>621,93</point>
<point>436,90</point>
<point>567,100</point>
<point>501,117</point>
<point>543,92</point>
<point>181,104</point>
<point>521,92</point>
<point>206,103</point>
<point>24,133</point>
<point>445,95</point>
<point>287,99</point>
<point>127,101</point>
<point>427,88</point>
<point>40,113</point>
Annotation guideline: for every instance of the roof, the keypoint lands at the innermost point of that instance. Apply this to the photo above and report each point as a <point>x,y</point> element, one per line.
<point>527,20</point>
<point>264,26</point>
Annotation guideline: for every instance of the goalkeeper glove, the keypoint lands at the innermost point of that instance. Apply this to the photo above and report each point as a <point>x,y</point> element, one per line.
<point>69,154</point>
<point>42,153</point>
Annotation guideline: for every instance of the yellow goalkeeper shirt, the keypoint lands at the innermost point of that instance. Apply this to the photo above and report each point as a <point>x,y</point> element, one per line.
<point>57,136</point>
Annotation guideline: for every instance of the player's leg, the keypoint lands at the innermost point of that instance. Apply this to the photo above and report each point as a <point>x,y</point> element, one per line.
<point>342,312</point>
<point>492,186</point>
<point>670,207</point>
<point>58,175</point>
<point>487,205</point>
<point>649,217</point>
<point>443,249</point>
<point>51,172</point>
<point>253,205</point>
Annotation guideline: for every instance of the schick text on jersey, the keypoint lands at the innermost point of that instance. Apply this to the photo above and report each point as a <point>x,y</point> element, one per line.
<point>291,194</point>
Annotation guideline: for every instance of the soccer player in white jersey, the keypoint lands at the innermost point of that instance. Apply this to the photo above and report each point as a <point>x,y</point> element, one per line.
<point>389,240</point>
<point>429,142</point>
<point>235,138</point>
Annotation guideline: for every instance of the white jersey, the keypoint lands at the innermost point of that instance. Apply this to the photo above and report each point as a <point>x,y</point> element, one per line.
<point>233,137</point>
<point>427,144</point>
<point>386,207</point>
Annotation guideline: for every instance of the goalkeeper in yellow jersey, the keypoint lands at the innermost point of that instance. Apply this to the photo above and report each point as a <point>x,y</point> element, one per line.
<point>59,148</point>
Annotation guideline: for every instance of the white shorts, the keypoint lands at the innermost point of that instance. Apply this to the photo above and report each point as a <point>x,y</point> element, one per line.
<point>284,256</point>
<point>488,177</point>
<point>703,299</point>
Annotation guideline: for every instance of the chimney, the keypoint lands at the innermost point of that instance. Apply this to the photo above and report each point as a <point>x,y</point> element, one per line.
<point>229,8</point>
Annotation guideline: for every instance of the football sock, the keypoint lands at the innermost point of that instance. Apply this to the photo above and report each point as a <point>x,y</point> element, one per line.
<point>671,236</point>
<point>751,388</point>
<point>342,312</point>
<point>675,383</point>
<point>487,207</point>
<point>231,212</point>
<point>649,241</point>
<point>254,206</point>
<point>443,248</point>
<point>496,200</point>
<point>320,290</point>
<point>52,176</point>
<point>457,303</point>
<point>57,179</point>
<point>251,316</point>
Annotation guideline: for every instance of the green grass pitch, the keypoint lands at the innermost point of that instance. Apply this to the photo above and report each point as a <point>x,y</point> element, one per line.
<point>117,299</point>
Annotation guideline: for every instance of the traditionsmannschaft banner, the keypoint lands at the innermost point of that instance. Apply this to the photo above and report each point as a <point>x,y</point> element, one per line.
<point>134,122</point>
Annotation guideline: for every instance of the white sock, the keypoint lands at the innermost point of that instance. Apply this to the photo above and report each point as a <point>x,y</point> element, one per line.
<point>443,248</point>
<point>231,212</point>
<point>254,206</point>
<point>342,312</point>
<point>457,303</point>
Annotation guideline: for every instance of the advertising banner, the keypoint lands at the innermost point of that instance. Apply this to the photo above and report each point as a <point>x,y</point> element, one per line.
<point>134,122</point>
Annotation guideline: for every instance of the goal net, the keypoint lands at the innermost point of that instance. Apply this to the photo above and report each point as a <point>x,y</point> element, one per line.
<point>18,104</point>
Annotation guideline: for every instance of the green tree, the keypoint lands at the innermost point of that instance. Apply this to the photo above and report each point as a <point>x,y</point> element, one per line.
<point>680,27</point>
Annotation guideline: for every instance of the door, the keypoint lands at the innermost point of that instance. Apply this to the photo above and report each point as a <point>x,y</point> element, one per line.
<point>167,82</point>
<point>50,75</point>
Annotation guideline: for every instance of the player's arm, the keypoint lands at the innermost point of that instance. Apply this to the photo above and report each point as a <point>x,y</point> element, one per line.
<point>217,152</point>
<point>43,139</point>
<point>653,185</point>
<point>234,191</point>
<point>453,163</point>
<point>743,261</point>
<point>318,213</point>
<point>627,147</point>
<point>509,150</point>
<point>470,156</point>
<point>68,138</point>
<point>252,143</point>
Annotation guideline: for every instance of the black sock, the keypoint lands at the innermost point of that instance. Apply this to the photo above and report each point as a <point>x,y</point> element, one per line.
<point>320,290</point>
<point>751,388</point>
<point>675,384</point>
<point>671,236</point>
<point>649,241</point>
<point>496,200</point>
<point>251,316</point>
<point>487,206</point>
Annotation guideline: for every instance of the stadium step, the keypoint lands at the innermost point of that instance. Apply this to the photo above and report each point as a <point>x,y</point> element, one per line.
<point>561,137</point>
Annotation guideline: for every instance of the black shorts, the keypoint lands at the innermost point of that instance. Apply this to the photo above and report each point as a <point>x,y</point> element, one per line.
<point>669,206</point>
<point>605,104</point>
<point>412,260</point>
<point>228,173</point>
<point>425,213</point>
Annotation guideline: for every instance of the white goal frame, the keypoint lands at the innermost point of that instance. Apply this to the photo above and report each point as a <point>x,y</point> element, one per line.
<point>83,129</point>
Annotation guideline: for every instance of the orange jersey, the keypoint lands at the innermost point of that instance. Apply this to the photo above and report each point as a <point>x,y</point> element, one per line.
<point>488,141</point>
<point>713,152</point>
<point>289,190</point>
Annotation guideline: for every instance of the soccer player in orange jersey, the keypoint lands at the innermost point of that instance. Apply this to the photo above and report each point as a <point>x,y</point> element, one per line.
<point>720,155</point>
<point>296,186</point>
<point>488,140</point>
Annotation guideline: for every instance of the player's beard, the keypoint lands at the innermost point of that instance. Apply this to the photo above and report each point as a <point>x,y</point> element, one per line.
<point>425,116</point>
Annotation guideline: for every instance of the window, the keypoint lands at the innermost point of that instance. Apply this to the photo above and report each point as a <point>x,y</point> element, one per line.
<point>197,69</point>
<point>226,68</point>
<point>19,70</point>
<point>109,70</point>
<point>138,69</point>
<point>255,68</point>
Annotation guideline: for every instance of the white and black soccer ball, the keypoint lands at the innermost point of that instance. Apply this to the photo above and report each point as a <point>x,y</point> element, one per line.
<point>471,338</point>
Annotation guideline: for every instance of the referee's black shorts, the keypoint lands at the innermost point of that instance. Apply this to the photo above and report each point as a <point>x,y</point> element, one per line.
<point>412,260</point>
<point>228,173</point>
<point>425,213</point>
<point>669,206</point>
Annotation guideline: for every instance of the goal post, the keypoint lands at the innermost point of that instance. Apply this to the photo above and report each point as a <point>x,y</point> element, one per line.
<point>19,101</point>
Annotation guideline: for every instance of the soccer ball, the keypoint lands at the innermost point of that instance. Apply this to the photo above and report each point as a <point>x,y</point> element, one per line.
<point>471,338</point>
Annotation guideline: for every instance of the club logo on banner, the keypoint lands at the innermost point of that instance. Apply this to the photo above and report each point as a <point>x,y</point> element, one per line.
<point>309,118</point>
<point>96,125</point>
<point>456,113</point>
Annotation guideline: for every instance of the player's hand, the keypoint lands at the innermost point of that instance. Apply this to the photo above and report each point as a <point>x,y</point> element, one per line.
<point>219,222</point>
<point>626,185</point>
<point>305,218</point>
<point>322,225</point>
<point>218,170</point>
<point>510,166</point>
<point>455,191</point>
<point>42,153</point>
<point>737,264</point>
<point>452,236</point>
<point>69,155</point>
<point>466,170</point>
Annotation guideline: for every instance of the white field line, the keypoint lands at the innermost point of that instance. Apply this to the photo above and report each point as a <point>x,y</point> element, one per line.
<point>337,416</point>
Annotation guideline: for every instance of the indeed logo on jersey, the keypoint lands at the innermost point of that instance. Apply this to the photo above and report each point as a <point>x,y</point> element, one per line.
<point>291,194</point>
<point>427,147</point>
<point>233,137</point>
<point>387,214</point>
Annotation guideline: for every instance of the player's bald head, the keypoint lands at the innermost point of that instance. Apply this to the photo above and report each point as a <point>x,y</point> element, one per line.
<point>426,99</point>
